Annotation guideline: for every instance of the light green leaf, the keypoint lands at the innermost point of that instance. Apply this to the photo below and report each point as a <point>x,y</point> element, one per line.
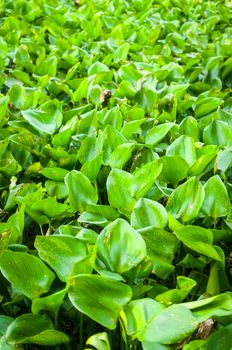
<point>121,52</point>
<point>38,279</point>
<point>81,191</point>
<point>166,327</point>
<point>198,239</point>
<point>161,248</point>
<point>174,169</point>
<point>139,313</point>
<point>99,341</point>
<point>121,155</point>
<point>144,178</point>
<point>148,213</point>
<point>183,288</point>
<point>41,120</point>
<point>157,133</point>
<point>119,189</point>
<point>216,202</point>
<point>55,173</point>
<point>218,132</point>
<point>51,302</point>
<point>61,253</point>
<point>119,248</point>
<point>183,147</point>
<point>185,202</point>
<point>105,304</point>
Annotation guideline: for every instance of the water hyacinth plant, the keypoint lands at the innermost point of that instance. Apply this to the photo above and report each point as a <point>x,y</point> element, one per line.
<point>115,175</point>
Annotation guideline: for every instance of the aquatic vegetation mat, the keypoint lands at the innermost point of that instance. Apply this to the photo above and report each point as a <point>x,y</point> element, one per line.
<point>115,174</point>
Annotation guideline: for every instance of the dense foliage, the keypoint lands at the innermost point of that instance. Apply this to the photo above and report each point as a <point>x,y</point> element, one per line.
<point>115,174</point>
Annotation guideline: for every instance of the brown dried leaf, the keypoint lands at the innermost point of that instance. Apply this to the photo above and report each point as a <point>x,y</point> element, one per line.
<point>205,329</point>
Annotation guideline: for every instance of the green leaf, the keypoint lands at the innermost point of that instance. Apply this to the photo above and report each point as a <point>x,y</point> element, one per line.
<point>156,134</point>
<point>220,339</point>
<point>97,67</point>
<point>94,94</point>
<point>216,306</point>
<point>113,117</point>
<point>105,304</point>
<point>5,321</point>
<point>119,189</point>
<point>218,132</point>
<point>9,166</point>
<point>51,302</point>
<point>161,248</point>
<point>183,147</point>
<point>224,160</point>
<point>34,329</point>
<point>139,313</point>
<point>80,191</point>
<point>198,239</point>
<point>121,53</point>
<point>205,156</point>
<point>4,100</point>
<point>55,173</point>
<point>91,167</point>
<point>17,96</point>
<point>38,279</point>
<point>183,288</point>
<point>119,248</point>
<point>56,189</point>
<point>121,155</point>
<point>148,213</point>
<point>205,105</point>
<point>82,91</point>
<point>99,214</point>
<point>41,120</point>
<point>189,127</point>
<point>185,202</point>
<point>50,207</point>
<point>99,341</point>
<point>216,202</point>
<point>144,178</point>
<point>47,67</point>
<point>166,327</point>
<point>174,169</point>
<point>61,253</point>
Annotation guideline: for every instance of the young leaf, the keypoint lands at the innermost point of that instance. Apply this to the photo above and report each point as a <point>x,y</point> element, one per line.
<point>145,177</point>
<point>216,202</point>
<point>156,134</point>
<point>148,213</point>
<point>119,192</point>
<point>174,169</point>
<point>218,132</point>
<point>185,202</point>
<point>183,147</point>
<point>80,191</point>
